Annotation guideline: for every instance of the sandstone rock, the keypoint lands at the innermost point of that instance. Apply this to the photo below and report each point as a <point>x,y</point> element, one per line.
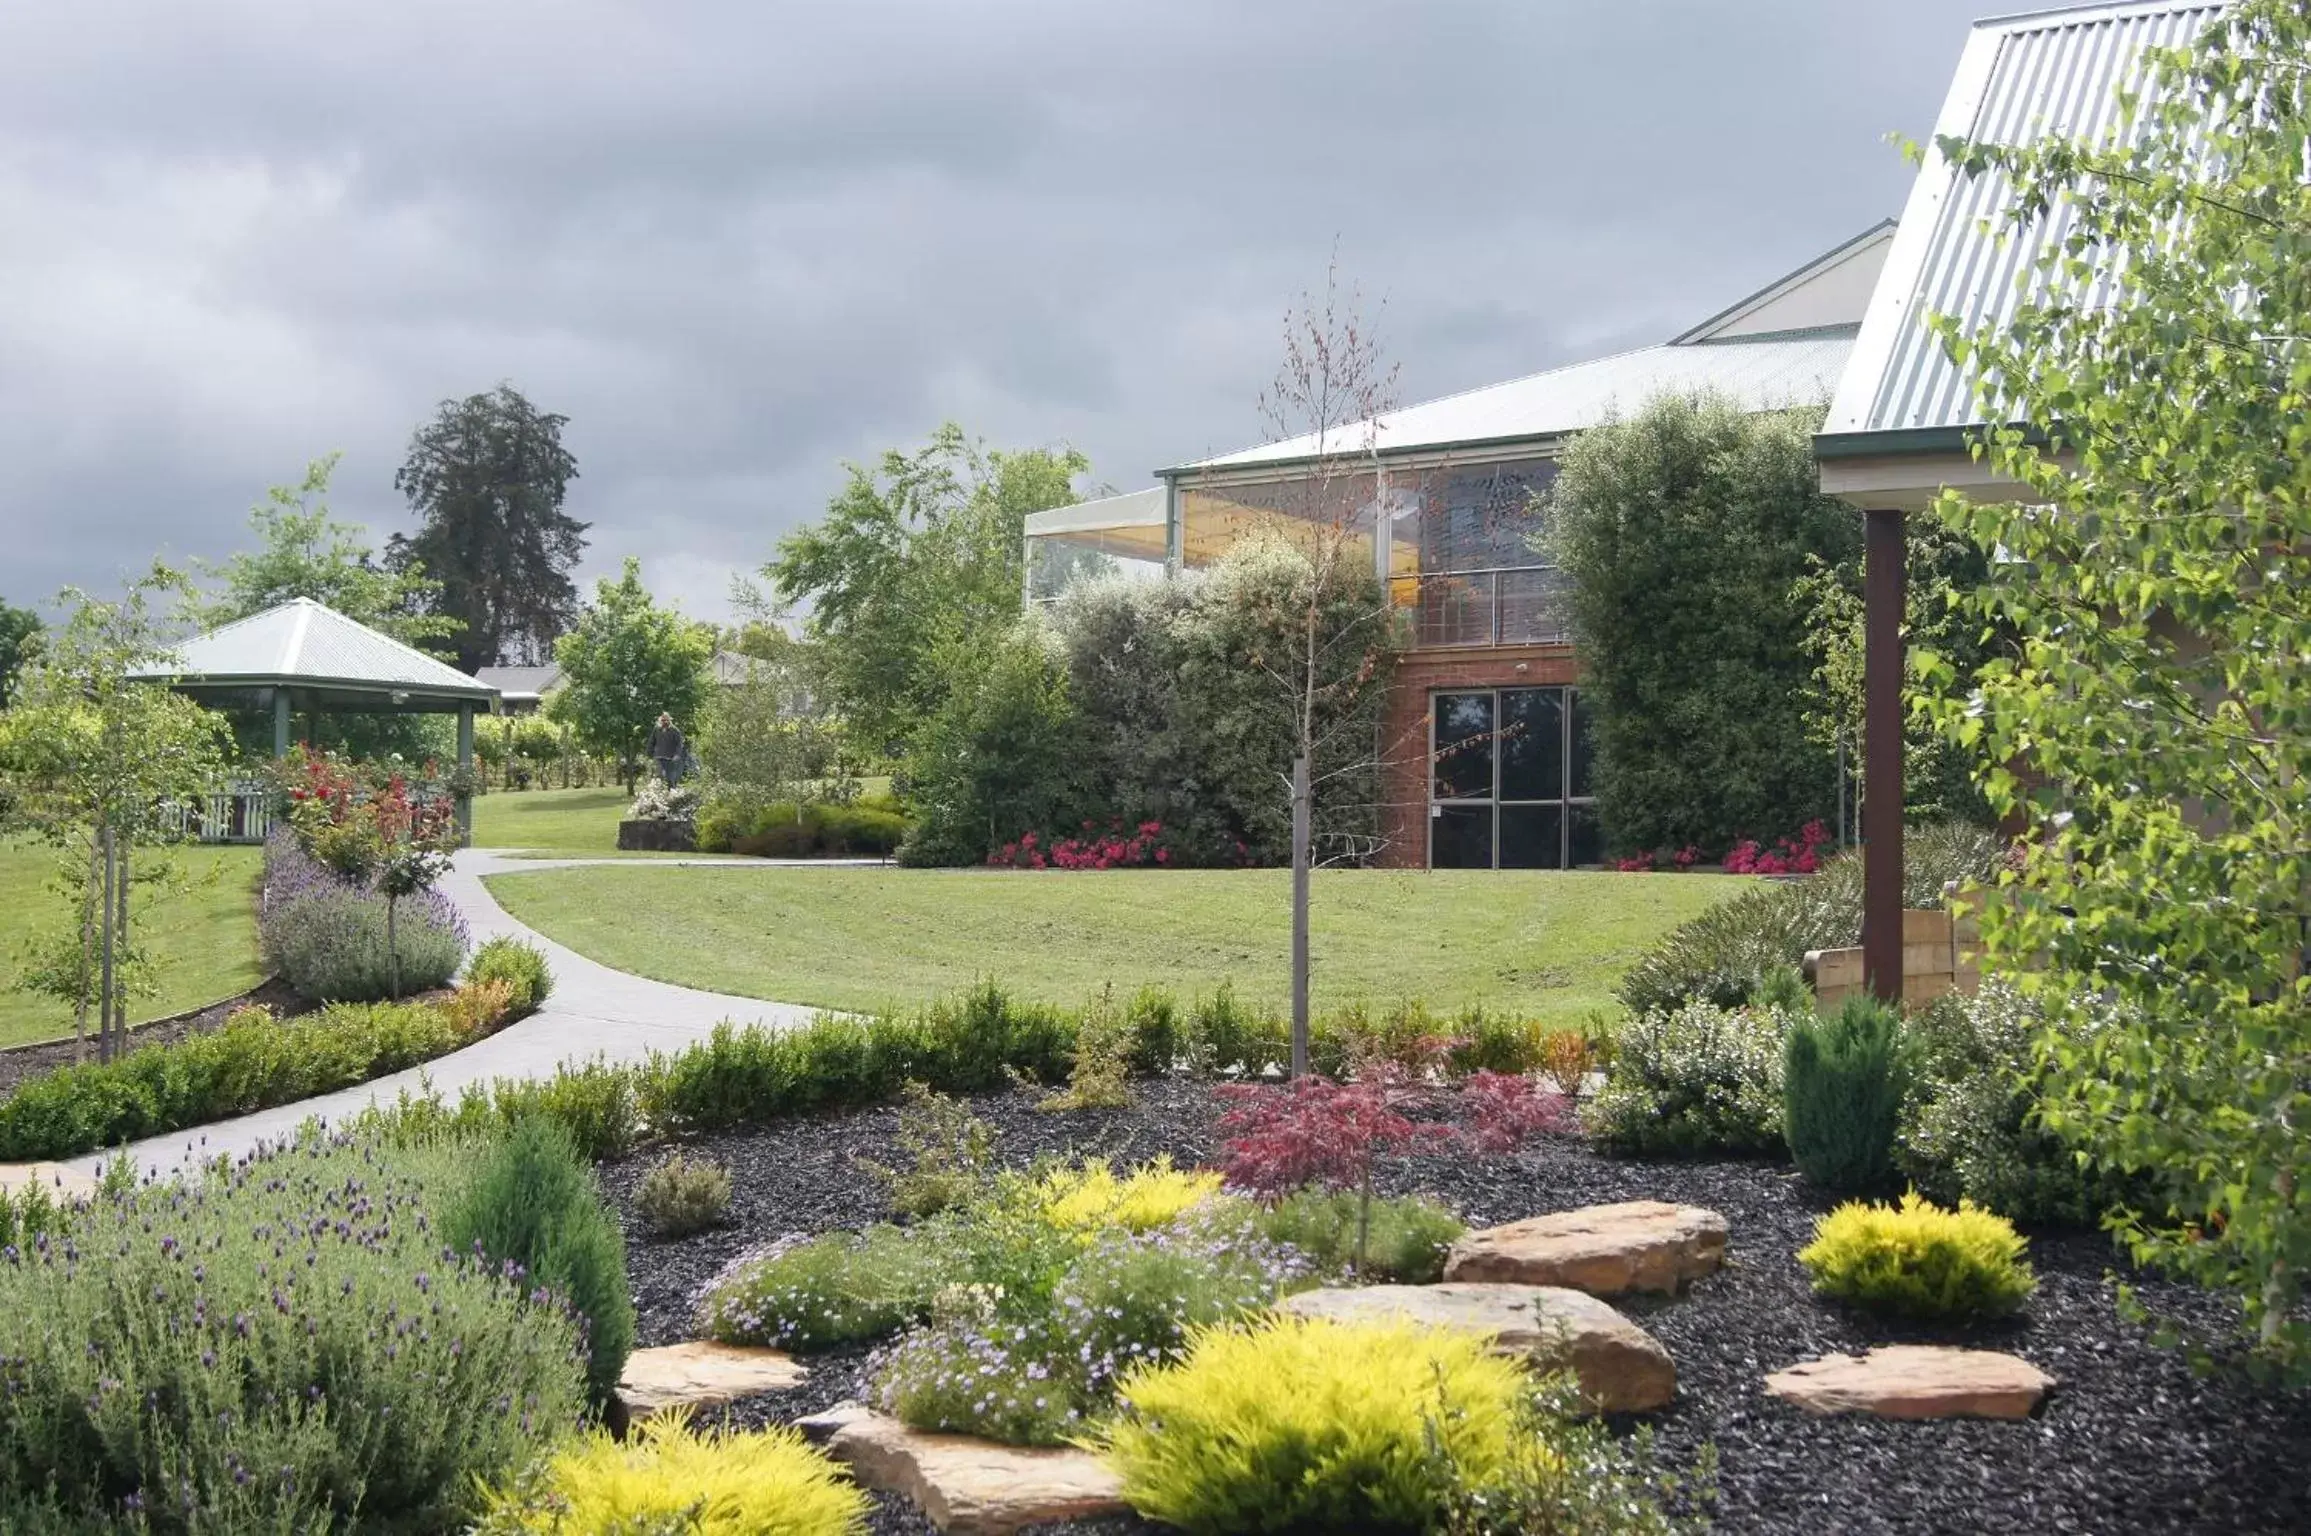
<point>62,1181</point>
<point>700,1374</point>
<point>1915,1381</point>
<point>1606,1250</point>
<point>819,1428</point>
<point>973,1487</point>
<point>1622,1368</point>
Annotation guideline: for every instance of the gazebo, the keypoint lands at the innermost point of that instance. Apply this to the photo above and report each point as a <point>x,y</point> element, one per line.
<point>305,656</point>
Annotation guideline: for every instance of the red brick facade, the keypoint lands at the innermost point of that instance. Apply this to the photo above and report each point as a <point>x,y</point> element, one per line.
<point>1404,781</point>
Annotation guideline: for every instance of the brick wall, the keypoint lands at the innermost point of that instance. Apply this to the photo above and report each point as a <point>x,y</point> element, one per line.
<point>1404,733</point>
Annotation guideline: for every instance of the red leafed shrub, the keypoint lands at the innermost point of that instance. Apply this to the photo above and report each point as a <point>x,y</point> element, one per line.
<point>1504,1108</point>
<point>1115,848</point>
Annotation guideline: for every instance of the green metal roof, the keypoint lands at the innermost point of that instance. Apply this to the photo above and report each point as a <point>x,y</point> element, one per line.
<point>304,644</point>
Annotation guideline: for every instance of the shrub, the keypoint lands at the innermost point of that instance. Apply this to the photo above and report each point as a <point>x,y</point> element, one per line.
<point>241,1348</point>
<point>253,1062</point>
<point>1568,1056</point>
<point>326,936</point>
<point>1296,1424</point>
<point>1569,1475</point>
<point>785,829</point>
<point>1842,1083</point>
<point>681,1195</point>
<point>593,1103</point>
<point>828,1290</point>
<point>1699,1080</point>
<point>533,1208</point>
<point>478,1007</point>
<point>1722,954</point>
<point>1491,1042</point>
<point>672,1479</point>
<point>1405,1243</point>
<point>1919,1260</point>
<point>521,965</point>
<point>1106,1042</point>
<point>1133,1297</point>
<point>1225,1035</point>
<point>27,1214</point>
<point>950,1149</point>
<point>1316,1131</point>
<point>1007,1380</point>
<point>998,752</point>
<point>1089,1197</point>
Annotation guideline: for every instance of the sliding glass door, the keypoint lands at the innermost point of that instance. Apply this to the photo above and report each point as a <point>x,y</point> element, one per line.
<point>1509,780</point>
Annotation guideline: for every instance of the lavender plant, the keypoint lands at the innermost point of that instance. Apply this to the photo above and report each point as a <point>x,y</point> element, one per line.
<point>334,938</point>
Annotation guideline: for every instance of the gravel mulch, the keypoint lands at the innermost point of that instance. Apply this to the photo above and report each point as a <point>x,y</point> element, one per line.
<point>22,1062</point>
<point>2133,1439</point>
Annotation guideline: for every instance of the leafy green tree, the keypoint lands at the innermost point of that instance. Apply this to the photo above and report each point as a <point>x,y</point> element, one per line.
<point>998,754</point>
<point>2154,726</point>
<point>19,633</point>
<point>1685,529</point>
<point>486,478</point>
<point>102,766</point>
<point>625,662</point>
<point>920,551</point>
<point>303,551</point>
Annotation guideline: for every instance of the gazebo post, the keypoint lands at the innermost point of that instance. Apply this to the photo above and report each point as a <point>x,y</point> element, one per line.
<point>465,772</point>
<point>1882,673</point>
<point>280,722</point>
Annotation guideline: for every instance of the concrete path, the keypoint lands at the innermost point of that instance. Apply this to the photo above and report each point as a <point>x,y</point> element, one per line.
<point>594,1012</point>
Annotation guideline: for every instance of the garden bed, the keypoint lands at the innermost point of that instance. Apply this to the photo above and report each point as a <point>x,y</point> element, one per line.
<point>20,1063</point>
<point>2132,1439</point>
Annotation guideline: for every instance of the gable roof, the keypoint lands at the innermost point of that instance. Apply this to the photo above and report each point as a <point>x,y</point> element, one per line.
<point>2020,79</point>
<point>302,643</point>
<point>520,682</point>
<point>1763,369</point>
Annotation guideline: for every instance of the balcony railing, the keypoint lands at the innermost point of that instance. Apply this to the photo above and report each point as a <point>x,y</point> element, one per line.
<point>1501,605</point>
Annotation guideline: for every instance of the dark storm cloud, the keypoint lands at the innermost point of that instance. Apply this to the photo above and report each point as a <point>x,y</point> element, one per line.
<point>737,243</point>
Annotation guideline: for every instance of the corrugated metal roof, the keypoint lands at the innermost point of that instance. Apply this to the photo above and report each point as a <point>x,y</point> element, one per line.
<point>1762,372</point>
<point>301,642</point>
<point>1133,509</point>
<point>520,682</point>
<point>2020,79</point>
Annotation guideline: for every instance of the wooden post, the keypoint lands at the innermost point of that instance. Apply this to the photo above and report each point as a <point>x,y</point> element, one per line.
<point>1882,675</point>
<point>465,770</point>
<point>280,722</point>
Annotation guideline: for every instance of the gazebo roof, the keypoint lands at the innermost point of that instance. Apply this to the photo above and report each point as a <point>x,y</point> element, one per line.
<point>309,647</point>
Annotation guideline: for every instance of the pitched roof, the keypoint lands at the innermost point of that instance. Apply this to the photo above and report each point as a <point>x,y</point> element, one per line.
<point>520,682</point>
<point>2020,79</point>
<point>1764,369</point>
<point>1133,509</point>
<point>303,643</point>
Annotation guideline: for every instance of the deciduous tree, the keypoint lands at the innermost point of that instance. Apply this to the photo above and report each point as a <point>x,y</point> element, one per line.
<point>627,661</point>
<point>19,632</point>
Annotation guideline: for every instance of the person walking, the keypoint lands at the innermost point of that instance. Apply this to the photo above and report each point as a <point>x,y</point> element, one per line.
<point>668,749</point>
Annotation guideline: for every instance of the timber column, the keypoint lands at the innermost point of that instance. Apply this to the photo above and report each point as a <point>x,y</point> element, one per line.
<point>1882,678</point>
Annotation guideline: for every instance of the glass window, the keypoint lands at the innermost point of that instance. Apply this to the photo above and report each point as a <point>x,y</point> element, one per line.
<point>1581,754</point>
<point>1584,837</point>
<point>1213,519</point>
<point>1464,747</point>
<point>1532,744</point>
<point>1532,837</point>
<point>1461,837</point>
<point>1509,785</point>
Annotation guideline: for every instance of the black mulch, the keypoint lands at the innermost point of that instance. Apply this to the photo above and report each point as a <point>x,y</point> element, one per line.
<point>19,1063</point>
<point>2132,1440</point>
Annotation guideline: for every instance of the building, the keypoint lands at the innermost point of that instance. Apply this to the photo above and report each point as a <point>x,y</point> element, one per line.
<point>1495,773</point>
<point>525,690</point>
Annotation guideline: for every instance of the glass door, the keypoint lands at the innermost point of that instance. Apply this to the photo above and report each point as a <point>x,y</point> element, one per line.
<point>1509,780</point>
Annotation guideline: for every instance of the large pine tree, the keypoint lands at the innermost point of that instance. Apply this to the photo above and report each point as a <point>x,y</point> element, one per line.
<point>486,477</point>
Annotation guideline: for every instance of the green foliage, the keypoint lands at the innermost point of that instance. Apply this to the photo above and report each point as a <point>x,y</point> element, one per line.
<point>829,1290</point>
<point>782,829</point>
<point>1107,1040</point>
<point>486,477</point>
<point>595,1104</point>
<point>1919,1260</point>
<point>681,1195</point>
<point>1297,1425</point>
<point>625,662</point>
<point>1843,1081</point>
<point>253,1062</point>
<point>244,1345</point>
<point>533,1209</point>
<point>917,557</point>
<point>516,962</point>
<point>1725,953</point>
<point>1684,530</point>
<point>1694,1081</point>
<point>996,755</point>
<point>671,1480</point>
<point>1570,1475</point>
<point>2153,728</point>
<point>1405,1245</point>
<point>766,736</point>
<point>331,946</point>
<point>950,1153</point>
<point>28,1213</point>
<point>19,637</point>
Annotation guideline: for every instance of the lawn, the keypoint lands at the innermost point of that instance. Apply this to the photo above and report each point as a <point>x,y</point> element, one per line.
<point>203,936</point>
<point>564,823</point>
<point>1544,943</point>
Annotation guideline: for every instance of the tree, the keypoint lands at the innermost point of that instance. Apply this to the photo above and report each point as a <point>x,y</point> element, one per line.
<point>101,765</point>
<point>626,661</point>
<point>997,755</point>
<point>486,477</point>
<point>920,551</point>
<point>2153,728</point>
<point>19,634</point>
<point>303,551</point>
<point>1684,530</point>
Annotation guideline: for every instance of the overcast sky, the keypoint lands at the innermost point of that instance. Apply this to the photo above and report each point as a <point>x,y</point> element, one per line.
<point>737,243</point>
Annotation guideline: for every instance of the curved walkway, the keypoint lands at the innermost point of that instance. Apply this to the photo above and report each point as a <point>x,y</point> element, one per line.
<point>594,1012</point>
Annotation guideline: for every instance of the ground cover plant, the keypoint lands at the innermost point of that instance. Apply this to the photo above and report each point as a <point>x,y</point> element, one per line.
<point>673,1478</point>
<point>1544,946</point>
<point>277,1346</point>
<point>1917,1259</point>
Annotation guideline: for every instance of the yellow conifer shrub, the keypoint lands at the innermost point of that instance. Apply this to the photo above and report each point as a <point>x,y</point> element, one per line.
<point>1920,1260</point>
<point>670,1478</point>
<point>1090,1197</point>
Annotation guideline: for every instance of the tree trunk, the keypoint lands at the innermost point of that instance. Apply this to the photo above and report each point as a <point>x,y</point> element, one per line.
<point>1363,1218</point>
<point>91,897</point>
<point>104,971</point>
<point>120,925</point>
<point>392,947</point>
<point>1301,797</point>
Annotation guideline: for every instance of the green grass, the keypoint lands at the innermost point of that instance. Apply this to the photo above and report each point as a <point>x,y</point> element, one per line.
<point>1547,944</point>
<point>203,936</point>
<point>567,823</point>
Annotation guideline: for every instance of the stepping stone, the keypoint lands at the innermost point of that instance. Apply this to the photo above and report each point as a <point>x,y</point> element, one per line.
<point>1606,1250</point>
<point>63,1182</point>
<point>701,1375</point>
<point>974,1487</point>
<point>1915,1381</point>
<point>1621,1367</point>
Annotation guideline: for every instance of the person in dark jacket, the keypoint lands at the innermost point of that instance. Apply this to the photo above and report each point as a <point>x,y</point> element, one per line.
<point>668,749</point>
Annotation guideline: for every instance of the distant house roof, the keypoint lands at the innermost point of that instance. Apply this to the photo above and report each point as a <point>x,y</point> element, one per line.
<point>302,644</point>
<point>521,683</point>
<point>1790,365</point>
<point>2020,78</point>
<point>733,667</point>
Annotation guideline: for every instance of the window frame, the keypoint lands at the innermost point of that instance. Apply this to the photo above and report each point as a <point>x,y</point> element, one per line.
<point>1568,704</point>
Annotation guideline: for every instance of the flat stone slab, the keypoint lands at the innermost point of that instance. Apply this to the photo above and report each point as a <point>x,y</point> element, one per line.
<point>1915,1381</point>
<point>62,1181</point>
<point>1605,1250</point>
<point>701,1375</point>
<point>973,1487</point>
<point>1621,1367</point>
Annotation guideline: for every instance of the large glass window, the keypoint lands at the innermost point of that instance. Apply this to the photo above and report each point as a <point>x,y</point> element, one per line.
<point>1307,505</point>
<point>1463,555</point>
<point>1509,780</point>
